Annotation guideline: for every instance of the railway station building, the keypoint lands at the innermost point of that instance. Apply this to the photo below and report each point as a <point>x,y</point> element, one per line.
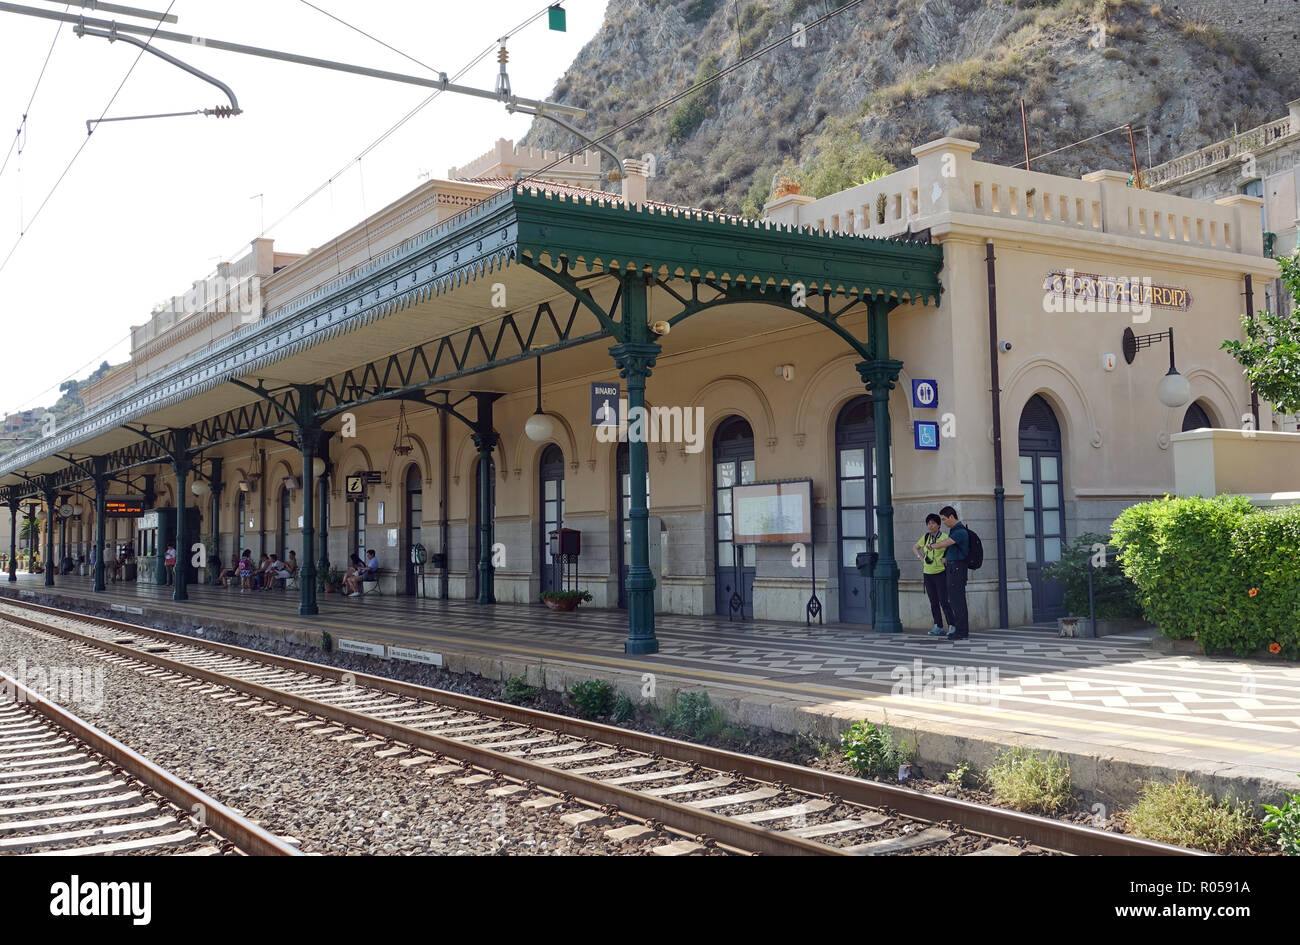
<point>481,364</point>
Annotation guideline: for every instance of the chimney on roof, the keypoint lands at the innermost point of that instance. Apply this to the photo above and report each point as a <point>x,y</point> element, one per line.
<point>636,175</point>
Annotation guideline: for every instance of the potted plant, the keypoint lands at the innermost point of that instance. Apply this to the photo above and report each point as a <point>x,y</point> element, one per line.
<point>329,580</point>
<point>565,600</point>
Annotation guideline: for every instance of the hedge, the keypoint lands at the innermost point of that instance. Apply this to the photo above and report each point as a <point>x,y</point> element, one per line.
<point>1216,570</point>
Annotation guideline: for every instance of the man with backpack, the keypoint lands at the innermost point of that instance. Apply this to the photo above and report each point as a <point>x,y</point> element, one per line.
<point>956,555</point>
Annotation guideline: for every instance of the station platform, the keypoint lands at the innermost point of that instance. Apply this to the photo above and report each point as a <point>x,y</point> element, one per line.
<point>1117,709</point>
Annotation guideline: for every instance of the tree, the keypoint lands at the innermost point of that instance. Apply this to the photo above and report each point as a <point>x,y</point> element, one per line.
<point>1270,355</point>
<point>843,160</point>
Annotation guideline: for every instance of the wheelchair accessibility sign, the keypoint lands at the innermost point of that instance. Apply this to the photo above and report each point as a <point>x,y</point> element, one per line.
<point>926,434</point>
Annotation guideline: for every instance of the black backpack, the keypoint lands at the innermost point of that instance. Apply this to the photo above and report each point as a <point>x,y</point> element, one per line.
<point>975,552</point>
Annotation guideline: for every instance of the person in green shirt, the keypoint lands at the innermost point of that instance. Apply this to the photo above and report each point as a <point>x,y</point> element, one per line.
<point>932,569</point>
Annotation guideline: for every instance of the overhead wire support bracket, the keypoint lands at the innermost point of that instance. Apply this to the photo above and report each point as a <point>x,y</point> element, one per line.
<point>113,35</point>
<point>156,34</point>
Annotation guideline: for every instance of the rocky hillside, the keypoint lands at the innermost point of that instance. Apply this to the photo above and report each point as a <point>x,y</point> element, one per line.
<point>887,75</point>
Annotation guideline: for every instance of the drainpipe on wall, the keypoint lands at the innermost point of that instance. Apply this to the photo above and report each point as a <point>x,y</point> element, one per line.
<point>999,493</point>
<point>1250,313</point>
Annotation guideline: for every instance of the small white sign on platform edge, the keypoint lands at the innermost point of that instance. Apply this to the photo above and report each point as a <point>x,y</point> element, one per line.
<point>356,646</point>
<point>415,656</point>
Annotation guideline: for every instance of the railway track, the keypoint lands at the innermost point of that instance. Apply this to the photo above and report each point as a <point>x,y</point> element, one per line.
<point>707,797</point>
<point>66,788</point>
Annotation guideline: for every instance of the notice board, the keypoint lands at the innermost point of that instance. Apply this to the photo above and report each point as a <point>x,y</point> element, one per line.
<point>772,513</point>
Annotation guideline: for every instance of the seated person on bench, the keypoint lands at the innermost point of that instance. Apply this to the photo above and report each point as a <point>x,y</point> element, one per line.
<point>372,567</point>
<point>352,580</point>
<point>276,571</point>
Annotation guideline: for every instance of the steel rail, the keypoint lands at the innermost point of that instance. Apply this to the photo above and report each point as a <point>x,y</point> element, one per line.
<point>997,822</point>
<point>243,833</point>
<point>725,830</point>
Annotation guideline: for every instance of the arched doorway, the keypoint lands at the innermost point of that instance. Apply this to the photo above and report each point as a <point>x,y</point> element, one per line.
<point>242,526</point>
<point>1196,418</point>
<point>733,465</point>
<point>855,472</point>
<point>476,538</point>
<point>623,481</point>
<point>551,480</point>
<point>414,513</point>
<point>1041,477</point>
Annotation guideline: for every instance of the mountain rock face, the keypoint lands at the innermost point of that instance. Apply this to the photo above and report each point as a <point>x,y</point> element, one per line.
<point>887,75</point>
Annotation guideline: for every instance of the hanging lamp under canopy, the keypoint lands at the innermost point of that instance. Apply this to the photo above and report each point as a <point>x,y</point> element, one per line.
<point>539,427</point>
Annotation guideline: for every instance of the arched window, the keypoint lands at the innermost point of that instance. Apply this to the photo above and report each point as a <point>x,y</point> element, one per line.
<point>358,529</point>
<point>1041,477</point>
<point>733,465</point>
<point>1196,418</point>
<point>551,481</point>
<point>285,499</point>
<point>855,471</point>
<point>623,482</point>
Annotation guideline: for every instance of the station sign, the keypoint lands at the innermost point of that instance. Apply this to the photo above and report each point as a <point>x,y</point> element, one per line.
<point>604,404</point>
<point>373,476</point>
<point>925,392</point>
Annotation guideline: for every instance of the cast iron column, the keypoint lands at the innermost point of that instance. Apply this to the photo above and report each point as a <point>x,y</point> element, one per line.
<point>181,467</point>
<point>635,357</point>
<point>50,497</point>
<point>880,375</point>
<point>308,435</point>
<point>13,539</point>
<point>485,441</point>
<point>100,468</point>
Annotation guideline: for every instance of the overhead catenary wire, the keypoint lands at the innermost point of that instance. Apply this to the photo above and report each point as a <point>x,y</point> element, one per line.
<point>27,111</point>
<point>488,50</point>
<point>355,28</point>
<point>27,227</point>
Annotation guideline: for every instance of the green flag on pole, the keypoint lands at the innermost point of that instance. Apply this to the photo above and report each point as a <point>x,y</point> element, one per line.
<point>557,17</point>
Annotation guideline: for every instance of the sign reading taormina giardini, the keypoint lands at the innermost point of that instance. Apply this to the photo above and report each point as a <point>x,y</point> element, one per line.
<point>1070,291</point>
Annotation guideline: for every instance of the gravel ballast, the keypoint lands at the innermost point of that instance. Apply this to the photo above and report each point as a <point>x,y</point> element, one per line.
<point>334,797</point>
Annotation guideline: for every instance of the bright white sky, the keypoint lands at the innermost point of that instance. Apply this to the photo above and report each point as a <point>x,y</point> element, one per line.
<point>151,206</point>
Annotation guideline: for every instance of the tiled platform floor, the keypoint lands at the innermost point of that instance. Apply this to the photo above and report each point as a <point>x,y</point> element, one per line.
<point>1109,697</point>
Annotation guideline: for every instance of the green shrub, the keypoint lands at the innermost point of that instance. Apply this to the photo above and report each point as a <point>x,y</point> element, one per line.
<point>1285,822</point>
<point>691,111</point>
<point>1266,552</point>
<point>1216,571</point>
<point>1025,780</point>
<point>624,709</point>
<point>872,749</point>
<point>963,775</point>
<point>693,714</point>
<point>326,641</point>
<point>594,698</point>
<point>517,691</point>
<point>1114,593</point>
<point>1182,814</point>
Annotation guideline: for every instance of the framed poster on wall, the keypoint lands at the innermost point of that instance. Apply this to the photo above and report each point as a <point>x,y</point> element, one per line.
<point>772,513</point>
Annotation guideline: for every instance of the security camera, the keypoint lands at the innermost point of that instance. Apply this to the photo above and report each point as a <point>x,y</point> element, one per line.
<point>1004,346</point>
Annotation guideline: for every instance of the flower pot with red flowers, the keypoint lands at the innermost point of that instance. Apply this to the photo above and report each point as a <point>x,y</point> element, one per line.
<point>565,600</point>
